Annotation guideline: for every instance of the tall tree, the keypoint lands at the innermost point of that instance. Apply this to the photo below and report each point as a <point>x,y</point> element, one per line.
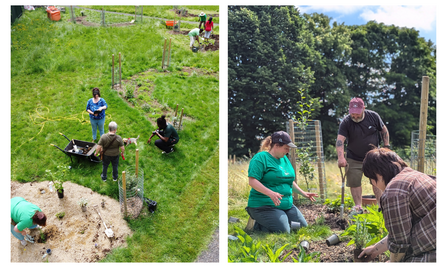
<point>267,48</point>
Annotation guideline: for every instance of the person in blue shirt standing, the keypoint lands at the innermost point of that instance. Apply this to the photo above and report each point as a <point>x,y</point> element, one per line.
<point>96,107</point>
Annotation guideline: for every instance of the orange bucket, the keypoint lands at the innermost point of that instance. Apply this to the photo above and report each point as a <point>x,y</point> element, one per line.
<point>53,13</point>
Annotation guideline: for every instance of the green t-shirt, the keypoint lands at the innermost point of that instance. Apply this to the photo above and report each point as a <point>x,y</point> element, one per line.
<point>202,18</point>
<point>112,147</point>
<point>171,133</point>
<point>22,212</point>
<point>194,32</point>
<point>275,174</point>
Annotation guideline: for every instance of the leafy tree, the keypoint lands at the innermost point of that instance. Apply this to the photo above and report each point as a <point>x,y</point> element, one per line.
<point>267,49</point>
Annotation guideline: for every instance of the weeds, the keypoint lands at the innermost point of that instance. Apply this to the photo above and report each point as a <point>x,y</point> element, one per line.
<point>60,215</point>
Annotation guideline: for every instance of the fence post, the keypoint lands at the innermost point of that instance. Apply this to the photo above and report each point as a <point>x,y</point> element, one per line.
<point>423,123</point>
<point>163,58</point>
<point>120,67</point>
<point>72,14</point>
<point>113,70</point>
<point>169,51</point>
<point>136,163</point>
<point>124,193</point>
<point>293,153</point>
<point>319,163</point>
<point>180,122</point>
<point>136,13</point>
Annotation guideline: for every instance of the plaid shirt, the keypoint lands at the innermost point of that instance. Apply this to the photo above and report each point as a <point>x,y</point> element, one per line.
<point>409,210</point>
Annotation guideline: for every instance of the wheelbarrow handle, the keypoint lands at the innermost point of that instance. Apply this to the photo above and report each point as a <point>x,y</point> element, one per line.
<point>58,148</point>
<point>64,136</point>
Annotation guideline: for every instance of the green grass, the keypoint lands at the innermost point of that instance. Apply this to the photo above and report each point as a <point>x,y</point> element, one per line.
<point>54,66</point>
<point>163,11</point>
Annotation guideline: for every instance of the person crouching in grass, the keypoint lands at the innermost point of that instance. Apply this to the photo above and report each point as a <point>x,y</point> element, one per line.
<point>193,36</point>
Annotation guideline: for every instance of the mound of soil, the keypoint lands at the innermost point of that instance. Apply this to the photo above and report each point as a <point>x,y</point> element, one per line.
<point>72,238</point>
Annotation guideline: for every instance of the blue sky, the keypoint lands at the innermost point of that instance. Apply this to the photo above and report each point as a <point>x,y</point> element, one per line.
<point>422,18</point>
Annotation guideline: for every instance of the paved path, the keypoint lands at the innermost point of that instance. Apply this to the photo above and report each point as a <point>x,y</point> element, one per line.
<point>133,15</point>
<point>212,253</point>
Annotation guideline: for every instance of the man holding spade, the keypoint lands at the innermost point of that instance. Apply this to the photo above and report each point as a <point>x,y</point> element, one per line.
<point>361,129</point>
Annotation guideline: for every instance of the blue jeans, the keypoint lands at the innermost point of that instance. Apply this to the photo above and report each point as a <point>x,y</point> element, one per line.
<point>275,220</point>
<point>97,124</point>
<point>105,164</point>
<point>19,235</point>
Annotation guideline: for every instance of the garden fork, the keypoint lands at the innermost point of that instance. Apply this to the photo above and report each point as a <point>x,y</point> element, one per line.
<point>343,178</point>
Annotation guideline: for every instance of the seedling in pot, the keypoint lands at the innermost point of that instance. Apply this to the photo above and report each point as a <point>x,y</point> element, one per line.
<point>60,215</point>
<point>83,203</point>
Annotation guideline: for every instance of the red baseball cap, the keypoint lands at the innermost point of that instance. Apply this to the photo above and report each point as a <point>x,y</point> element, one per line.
<point>356,106</point>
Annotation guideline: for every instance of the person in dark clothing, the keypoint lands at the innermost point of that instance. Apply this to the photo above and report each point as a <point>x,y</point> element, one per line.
<point>361,129</point>
<point>167,134</point>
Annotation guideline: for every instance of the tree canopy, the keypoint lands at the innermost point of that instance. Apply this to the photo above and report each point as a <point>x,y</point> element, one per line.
<point>275,53</point>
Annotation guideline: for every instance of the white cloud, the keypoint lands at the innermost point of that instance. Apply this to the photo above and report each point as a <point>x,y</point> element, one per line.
<point>419,17</point>
<point>347,9</point>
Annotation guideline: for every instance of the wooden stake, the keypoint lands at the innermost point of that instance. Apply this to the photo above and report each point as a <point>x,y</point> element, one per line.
<point>169,51</point>
<point>136,163</point>
<point>234,158</point>
<point>135,13</point>
<point>293,153</point>
<point>423,123</point>
<point>124,193</point>
<point>319,154</point>
<point>163,59</point>
<point>120,67</point>
<point>180,122</point>
<point>176,109</point>
<point>113,70</point>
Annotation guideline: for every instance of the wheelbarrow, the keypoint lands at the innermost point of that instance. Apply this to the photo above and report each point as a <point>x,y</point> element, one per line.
<point>80,148</point>
<point>170,23</point>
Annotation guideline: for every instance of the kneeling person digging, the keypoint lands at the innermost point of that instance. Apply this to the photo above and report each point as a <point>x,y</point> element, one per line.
<point>167,134</point>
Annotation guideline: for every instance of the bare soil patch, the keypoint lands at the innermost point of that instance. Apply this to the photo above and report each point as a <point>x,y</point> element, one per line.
<point>83,20</point>
<point>336,253</point>
<point>207,47</point>
<point>72,238</point>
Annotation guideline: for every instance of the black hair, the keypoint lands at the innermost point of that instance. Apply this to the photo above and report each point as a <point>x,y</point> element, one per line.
<point>161,122</point>
<point>95,91</point>
<point>210,19</point>
<point>201,30</point>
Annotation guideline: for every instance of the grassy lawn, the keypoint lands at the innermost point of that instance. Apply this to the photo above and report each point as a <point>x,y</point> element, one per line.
<point>164,11</point>
<point>54,66</point>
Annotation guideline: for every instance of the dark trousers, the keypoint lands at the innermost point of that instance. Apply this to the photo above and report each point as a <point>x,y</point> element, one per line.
<point>164,146</point>
<point>105,164</point>
<point>273,220</point>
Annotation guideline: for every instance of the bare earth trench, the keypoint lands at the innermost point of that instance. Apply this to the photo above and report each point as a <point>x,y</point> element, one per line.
<point>72,238</point>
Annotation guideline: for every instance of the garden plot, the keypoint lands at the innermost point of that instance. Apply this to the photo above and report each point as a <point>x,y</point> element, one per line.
<point>83,20</point>
<point>73,237</point>
<point>213,45</point>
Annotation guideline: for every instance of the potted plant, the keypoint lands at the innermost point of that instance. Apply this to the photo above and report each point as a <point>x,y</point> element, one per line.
<point>83,203</point>
<point>58,178</point>
<point>59,188</point>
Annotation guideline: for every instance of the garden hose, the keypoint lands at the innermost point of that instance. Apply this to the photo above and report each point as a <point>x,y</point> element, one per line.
<point>38,115</point>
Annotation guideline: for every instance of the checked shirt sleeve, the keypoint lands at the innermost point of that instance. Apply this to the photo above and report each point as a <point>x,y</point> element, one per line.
<point>397,215</point>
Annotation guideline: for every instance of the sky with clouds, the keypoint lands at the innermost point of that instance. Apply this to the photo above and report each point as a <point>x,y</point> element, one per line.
<point>422,18</point>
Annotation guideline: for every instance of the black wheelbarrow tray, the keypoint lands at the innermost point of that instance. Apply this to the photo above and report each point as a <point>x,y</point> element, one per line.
<point>87,149</point>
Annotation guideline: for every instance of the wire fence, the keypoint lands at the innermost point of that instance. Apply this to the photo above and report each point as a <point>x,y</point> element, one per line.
<point>309,155</point>
<point>132,197</point>
<point>429,153</point>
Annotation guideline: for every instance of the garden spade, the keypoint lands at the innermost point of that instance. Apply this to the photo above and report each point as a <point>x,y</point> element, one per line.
<point>108,231</point>
<point>343,178</point>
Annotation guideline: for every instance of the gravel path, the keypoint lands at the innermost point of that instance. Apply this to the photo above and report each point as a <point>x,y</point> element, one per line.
<point>212,253</point>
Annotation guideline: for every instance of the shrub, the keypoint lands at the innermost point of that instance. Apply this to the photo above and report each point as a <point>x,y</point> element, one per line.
<point>146,107</point>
